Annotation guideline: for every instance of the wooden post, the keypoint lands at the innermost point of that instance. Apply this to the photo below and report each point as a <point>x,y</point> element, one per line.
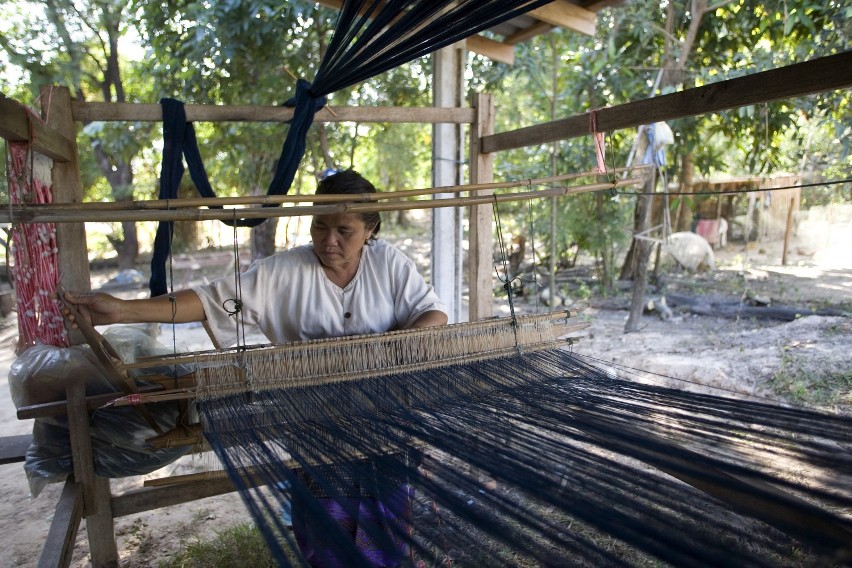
<point>787,230</point>
<point>67,188</point>
<point>74,269</point>
<point>643,252</point>
<point>480,238</point>
<point>446,271</point>
<point>96,490</point>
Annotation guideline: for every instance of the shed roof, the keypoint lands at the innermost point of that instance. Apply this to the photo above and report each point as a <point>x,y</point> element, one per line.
<point>577,15</point>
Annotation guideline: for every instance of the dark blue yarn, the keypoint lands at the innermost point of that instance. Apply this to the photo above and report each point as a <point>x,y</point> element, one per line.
<point>371,36</point>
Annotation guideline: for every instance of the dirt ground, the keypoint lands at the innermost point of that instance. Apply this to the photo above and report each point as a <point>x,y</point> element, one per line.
<point>751,357</point>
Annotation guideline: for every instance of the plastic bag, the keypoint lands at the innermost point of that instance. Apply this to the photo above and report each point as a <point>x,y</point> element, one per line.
<point>118,434</point>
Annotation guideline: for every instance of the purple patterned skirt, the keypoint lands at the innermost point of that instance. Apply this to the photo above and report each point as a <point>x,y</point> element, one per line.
<point>359,517</point>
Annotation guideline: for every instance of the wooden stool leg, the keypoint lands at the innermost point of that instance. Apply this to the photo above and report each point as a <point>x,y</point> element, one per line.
<point>96,490</point>
<point>59,544</point>
<point>101,528</point>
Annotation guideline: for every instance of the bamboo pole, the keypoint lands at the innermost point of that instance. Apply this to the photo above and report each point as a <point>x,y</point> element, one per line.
<point>55,214</point>
<point>270,200</point>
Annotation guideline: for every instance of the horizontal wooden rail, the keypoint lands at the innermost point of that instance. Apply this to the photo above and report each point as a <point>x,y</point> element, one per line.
<point>807,78</point>
<point>149,112</point>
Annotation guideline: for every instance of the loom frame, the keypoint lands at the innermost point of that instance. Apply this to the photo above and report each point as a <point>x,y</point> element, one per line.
<point>87,496</point>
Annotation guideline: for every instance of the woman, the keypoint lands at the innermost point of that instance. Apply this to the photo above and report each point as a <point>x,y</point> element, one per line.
<point>346,282</point>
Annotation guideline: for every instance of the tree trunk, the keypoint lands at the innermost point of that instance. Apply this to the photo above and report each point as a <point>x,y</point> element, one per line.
<point>671,75</point>
<point>117,170</point>
<point>263,239</point>
<point>643,249</point>
<point>323,143</point>
<point>683,217</point>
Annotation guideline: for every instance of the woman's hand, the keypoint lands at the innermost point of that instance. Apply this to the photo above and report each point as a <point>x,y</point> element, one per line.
<point>94,308</point>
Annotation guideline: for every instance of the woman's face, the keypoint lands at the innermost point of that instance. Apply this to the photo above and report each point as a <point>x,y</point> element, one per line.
<point>338,239</point>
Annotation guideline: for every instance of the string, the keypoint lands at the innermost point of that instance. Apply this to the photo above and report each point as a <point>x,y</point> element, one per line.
<point>507,280</point>
<point>534,278</point>
<point>738,191</point>
<point>236,311</point>
<point>170,227</point>
<point>236,308</point>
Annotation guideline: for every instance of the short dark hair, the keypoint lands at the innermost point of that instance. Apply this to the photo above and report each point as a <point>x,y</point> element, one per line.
<point>352,183</point>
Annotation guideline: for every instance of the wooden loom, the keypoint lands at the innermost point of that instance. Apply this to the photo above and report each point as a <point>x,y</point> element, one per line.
<point>56,140</point>
<point>249,373</point>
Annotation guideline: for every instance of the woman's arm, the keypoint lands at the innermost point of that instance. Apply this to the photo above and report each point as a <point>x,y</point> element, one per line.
<point>430,319</point>
<point>103,309</point>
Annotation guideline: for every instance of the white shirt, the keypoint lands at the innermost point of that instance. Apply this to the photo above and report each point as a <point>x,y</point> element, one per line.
<point>288,297</point>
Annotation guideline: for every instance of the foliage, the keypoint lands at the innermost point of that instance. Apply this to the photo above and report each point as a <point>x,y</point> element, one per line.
<point>77,45</point>
<point>646,49</point>
<point>249,51</point>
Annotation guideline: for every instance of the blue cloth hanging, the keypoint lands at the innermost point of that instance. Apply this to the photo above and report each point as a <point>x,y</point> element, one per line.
<point>371,37</point>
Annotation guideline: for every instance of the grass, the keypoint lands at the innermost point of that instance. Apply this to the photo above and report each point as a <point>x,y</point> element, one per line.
<point>238,545</point>
<point>811,383</point>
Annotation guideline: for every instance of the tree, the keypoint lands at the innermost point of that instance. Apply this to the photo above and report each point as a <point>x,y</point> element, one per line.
<point>77,44</point>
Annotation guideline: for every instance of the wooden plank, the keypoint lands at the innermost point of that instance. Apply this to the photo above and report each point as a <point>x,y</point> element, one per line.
<point>91,111</point>
<point>13,449</point>
<point>147,499</point>
<point>501,52</point>
<point>798,80</point>
<point>59,545</point>
<point>566,15</point>
<point>17,125</point>
<point>527,33</point>
<point>480,238</point>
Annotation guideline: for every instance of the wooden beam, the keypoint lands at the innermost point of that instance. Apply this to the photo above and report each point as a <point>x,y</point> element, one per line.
<point>59,545</point>
<point>89,111</point>
<point>598,5</point>
<point>18,125</point>
<point>798,80</point>
<point>147,499</point>
<point>13,449</point>
<point>566,15</point>
<point>482,197</point>
<point>529,32</point>
<point>501,52</point>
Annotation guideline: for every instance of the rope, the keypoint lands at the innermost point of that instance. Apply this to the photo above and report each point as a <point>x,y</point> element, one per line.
<point>737,191</point>
<point>235,310</point>
<point>507,280</point>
